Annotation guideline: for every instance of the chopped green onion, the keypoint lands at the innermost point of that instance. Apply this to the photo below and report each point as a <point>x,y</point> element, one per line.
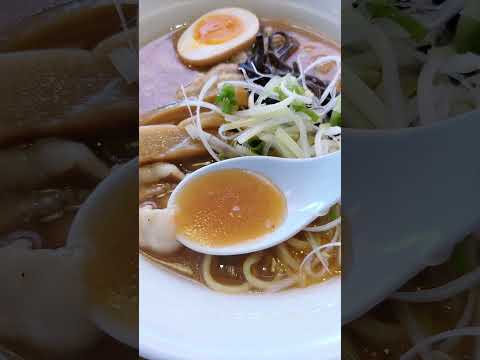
<point>297,105</point>
<point>300,107</point>
<point>226,99</point>
<point>297,89</point>
<point>270,129</point>
<point>256,145</point>
<point>293,86</point>
<point>291,83</point>
<point>336,118</point>
<point>223,156</point>
<point>280,93</point>
<point>333,213</point>
<point>382,9</point>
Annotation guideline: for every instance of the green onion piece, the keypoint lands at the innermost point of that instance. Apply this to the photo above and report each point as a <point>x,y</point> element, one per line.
<point>297,89</point>
<point>296,105</point>
<point>300,107</point>
<point>336,118</point>
<point>382,9</point>
<point>280,93</point>
<point>256,145</point>
<point>333,213</point>
<point>226,99</point>
<point>293,85</point>
<point>222,156</point>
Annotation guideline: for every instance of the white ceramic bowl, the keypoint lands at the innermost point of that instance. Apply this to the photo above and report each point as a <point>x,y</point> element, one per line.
<point>106,218</point>
<point>181,320</point>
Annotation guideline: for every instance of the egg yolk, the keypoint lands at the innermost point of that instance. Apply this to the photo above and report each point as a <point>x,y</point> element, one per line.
<point>217,29</point>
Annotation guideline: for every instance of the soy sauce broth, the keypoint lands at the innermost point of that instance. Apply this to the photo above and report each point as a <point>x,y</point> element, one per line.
<point>228,207</point>
<point>161,72</point>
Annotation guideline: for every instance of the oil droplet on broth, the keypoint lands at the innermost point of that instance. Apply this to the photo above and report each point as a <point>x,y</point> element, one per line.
<point>228,207</point>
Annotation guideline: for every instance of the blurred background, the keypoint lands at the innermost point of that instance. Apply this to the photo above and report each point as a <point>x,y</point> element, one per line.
<point>69,121</point>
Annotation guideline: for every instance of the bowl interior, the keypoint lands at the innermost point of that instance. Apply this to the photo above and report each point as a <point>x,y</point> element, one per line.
<point>181,320</point>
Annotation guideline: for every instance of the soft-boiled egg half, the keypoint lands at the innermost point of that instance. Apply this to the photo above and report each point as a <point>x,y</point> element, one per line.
<point>217,36</point>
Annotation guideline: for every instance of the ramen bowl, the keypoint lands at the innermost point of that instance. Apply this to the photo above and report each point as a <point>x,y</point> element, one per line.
<point>183,320</point>
<point>106,231</point>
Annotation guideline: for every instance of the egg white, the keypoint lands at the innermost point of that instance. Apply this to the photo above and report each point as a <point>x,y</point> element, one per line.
<point>195,53</point>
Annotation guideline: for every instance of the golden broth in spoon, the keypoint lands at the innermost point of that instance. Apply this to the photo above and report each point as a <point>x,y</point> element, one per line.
<point>228,207</point>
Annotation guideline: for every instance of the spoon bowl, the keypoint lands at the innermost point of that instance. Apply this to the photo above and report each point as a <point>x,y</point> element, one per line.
<point>310,186</point>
